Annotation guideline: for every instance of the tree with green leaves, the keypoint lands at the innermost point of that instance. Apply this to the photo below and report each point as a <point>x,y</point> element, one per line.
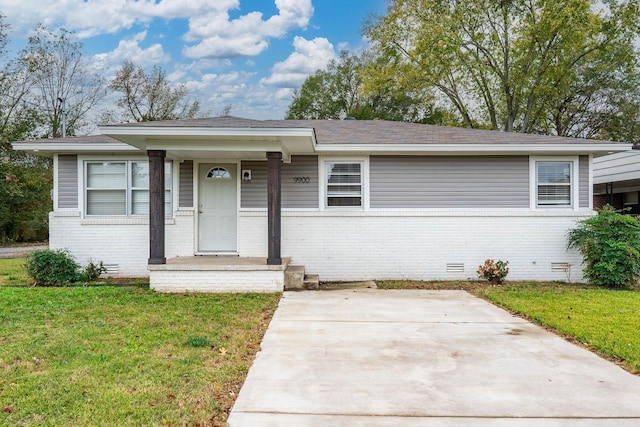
<point>25,179</point>
<point>339,92</point>
<point>64,88</point>
<point>150,97</point>
<point>517,65</point>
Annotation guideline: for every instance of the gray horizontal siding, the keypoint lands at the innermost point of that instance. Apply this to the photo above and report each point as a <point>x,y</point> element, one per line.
<point>68,181</point>
<point>185,190</point>
<point>295,193</point>
<point>583,168</point>
<point>449,181</point>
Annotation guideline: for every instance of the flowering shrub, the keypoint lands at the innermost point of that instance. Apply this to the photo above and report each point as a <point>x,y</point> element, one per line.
<point>493,271</point>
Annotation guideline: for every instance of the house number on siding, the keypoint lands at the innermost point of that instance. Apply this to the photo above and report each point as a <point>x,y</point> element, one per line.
<point>301,179</point>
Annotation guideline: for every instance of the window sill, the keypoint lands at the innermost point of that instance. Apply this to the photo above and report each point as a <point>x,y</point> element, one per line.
<point>115,220</point>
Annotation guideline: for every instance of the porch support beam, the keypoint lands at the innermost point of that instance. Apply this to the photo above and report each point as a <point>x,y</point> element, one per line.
<point>156,206</point>
<point>274,204</point>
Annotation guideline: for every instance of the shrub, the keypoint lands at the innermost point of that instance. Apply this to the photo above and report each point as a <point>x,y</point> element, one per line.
<point>92,271</point>
<point>57,267</point>
<point>610,246</point>
<point>52,267</point>
<point>493,271</point>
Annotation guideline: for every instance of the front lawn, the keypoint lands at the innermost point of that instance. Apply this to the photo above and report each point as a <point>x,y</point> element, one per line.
<point>107,356</point>
<point>12,272</point>
<point>606,321</point>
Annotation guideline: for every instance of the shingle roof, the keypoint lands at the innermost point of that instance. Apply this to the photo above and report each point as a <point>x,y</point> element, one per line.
<point>387,132</point>
<point>95,139</point>
<point>356,132</point>
<point>213,122</point>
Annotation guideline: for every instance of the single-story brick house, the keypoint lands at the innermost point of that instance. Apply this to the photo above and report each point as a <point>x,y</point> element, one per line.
<point>348,199</point>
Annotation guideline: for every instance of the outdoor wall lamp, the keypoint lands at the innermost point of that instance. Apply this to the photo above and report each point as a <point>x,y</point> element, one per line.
<point>246,175</point>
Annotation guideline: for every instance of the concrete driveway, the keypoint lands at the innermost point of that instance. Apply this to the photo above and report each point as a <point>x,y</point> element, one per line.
<point>416,358</point>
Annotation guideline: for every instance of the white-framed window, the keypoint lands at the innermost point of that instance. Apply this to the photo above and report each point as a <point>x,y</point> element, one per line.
<point>554,182</point>
<point>344,184</point>
<point>121,188</point>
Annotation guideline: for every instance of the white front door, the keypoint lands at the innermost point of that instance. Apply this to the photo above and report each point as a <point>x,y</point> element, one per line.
<point>217,207</point>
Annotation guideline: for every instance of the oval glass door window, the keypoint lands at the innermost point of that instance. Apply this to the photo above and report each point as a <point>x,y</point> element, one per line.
<point>218,173</point>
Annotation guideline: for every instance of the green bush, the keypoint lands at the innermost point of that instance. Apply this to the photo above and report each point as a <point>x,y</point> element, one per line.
<point>92,271</point>
<point>57,267</point>
<point>493,271</point>
<point>610,246</point>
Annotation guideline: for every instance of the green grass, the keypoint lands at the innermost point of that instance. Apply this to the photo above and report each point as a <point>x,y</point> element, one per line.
<point>12,272</point>
<point>125,356</point>
<point>604,320</point>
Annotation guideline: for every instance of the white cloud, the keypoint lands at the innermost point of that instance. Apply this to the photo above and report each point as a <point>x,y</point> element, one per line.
<point>211,30</point>
<point>309,56</point>
<point>129,49</point>
<point>90,18</point>
<point>248,35</point>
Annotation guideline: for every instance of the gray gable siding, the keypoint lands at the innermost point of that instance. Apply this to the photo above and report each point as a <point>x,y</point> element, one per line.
<point>449,181</point>
<point>185,191</point>
<point>67,181</point>
<point>583,169</point>
<point>296,192</point>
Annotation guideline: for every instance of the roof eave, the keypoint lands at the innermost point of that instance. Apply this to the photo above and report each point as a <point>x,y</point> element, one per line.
<point>48,149</point>
<point>597,149</point>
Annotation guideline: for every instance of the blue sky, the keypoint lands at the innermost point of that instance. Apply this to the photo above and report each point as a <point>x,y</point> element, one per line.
<point>249,53</point>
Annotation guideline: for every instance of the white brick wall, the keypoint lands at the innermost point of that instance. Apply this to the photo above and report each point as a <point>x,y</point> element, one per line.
<point>419,244</point>
<point>123,242</point>
<point>351,245</point>
<point>217,281</point>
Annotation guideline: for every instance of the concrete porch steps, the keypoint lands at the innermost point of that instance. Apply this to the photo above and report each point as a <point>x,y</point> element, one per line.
<point>296,279</point>
<point>311,281</point>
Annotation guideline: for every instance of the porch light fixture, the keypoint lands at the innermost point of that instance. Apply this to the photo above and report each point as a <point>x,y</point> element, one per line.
<point>246,175</point>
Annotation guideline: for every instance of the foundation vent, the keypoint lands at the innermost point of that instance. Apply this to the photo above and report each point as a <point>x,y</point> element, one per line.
<point>560,267</point>
<point>112,268</point>
<point>455,267</point>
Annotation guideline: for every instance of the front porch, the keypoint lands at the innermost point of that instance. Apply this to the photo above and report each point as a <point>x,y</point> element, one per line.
<point>218,274</point>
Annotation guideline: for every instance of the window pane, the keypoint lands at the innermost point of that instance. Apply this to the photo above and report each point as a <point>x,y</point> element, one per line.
<point>140,174</point>
<point>344,184</point>
<point>554,195</point>
<point>167,203</point>
<point>167,176</point>
<point>554,173</point>
<point>106,175</point>
<point>344,201</point>
<point>333,190</point>
<point>218,173</point>
<point>140,202</point>
<point>106,202</point>
<point>344,179</point>
<point>342,168</point>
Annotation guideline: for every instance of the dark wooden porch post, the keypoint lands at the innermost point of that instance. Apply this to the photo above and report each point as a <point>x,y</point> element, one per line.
<point>156,206</point>
<point>274,195</point>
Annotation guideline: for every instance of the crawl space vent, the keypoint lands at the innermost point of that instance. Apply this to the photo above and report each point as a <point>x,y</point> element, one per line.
<point>112,268</point>
<point>559,267</point>
<point>455,267</point>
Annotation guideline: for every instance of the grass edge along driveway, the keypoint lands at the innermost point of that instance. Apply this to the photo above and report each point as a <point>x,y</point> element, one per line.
<point>125,355</point>
<point>605,321</point>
